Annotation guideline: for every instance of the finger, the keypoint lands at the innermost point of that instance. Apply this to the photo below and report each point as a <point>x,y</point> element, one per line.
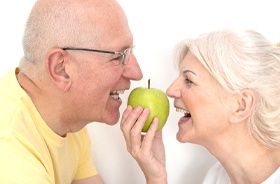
<point>125,115</point>
<point>137,128</point>
<point>129,119</point>
<point>150,135</point>
<point>125,130</point>
<point>135,134</point>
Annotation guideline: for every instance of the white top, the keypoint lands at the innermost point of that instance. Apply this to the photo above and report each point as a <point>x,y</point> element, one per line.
<point>218,175</point>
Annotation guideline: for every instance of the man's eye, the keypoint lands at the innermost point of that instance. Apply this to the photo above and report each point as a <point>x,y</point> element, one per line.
<point>116,60</point>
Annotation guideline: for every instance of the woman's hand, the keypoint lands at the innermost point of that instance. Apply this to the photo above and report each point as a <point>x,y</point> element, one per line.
<point>147,150</point>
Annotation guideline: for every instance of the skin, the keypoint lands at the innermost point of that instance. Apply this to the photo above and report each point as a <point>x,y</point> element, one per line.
<point>77,84</point>
<point>218,122</point>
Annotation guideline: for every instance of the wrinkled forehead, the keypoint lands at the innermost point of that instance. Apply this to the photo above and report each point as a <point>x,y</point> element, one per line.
<point>110,24</point>
<point>101,23</point>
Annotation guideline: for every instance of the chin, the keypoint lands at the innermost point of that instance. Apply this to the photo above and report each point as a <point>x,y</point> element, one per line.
<point>179,139</point>
<point>182,137</point>
<point>108,117</point>
<point>112,120</point>
<point>111,123</point>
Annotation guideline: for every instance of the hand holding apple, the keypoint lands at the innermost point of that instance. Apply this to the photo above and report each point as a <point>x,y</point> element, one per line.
<point>154,99</point>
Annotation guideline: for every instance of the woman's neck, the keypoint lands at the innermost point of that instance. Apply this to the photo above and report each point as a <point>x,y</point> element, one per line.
<point>245,159</point>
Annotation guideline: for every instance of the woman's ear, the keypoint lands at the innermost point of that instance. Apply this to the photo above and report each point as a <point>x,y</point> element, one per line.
<point>243,106</point>
<point>56,65</point>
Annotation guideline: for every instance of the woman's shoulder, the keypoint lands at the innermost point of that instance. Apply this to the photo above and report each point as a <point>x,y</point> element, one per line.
<point>216,175</point>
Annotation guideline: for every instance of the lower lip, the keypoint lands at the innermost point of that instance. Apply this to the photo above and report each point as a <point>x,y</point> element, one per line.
<point>183,120</point>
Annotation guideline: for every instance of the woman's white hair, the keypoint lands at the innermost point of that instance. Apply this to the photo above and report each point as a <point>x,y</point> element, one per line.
<point>241,60</point>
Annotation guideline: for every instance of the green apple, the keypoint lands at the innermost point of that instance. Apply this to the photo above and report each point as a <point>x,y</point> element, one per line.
<point>154,99</point>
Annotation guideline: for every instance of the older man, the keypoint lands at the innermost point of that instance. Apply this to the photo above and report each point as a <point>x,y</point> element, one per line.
<point>77,60</point>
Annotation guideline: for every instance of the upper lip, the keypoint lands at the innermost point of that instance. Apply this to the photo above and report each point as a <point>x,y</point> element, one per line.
<point>120,89</point>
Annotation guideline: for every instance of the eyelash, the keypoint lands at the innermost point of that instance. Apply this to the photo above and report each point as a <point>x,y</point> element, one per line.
<point>188,81</point>
<point>117,58</point>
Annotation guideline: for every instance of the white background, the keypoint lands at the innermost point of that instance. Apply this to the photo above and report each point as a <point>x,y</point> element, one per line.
<point>157,26</point>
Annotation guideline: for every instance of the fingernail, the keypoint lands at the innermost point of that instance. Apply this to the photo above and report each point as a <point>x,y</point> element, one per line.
<point>146,110</point>
<point>138,109</point>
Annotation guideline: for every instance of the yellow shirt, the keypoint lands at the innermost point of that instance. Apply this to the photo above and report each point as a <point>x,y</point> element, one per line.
<point>30,152</point>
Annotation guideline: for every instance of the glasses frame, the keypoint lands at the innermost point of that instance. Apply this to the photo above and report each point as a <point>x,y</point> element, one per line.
<point>125,54</point>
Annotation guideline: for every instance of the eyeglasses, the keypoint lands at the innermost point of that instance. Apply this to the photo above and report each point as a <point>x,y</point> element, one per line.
<point>125,54</point>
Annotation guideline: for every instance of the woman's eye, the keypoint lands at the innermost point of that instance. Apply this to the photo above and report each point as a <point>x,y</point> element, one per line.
<point>188,81</point>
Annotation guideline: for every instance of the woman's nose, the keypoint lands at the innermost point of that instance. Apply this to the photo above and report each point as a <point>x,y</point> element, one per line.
<point>173,90</point>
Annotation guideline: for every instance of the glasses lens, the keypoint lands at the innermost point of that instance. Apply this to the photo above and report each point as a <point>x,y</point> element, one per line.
<point>126,55</point>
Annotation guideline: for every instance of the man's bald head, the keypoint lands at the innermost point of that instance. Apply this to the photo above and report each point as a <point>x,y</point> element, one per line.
<point>66,23</point>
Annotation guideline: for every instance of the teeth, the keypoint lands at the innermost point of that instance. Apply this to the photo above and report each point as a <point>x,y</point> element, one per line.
<point>116,97</point>
<point>115,94</point>
<point>119,92</point>
<point>182,110</point>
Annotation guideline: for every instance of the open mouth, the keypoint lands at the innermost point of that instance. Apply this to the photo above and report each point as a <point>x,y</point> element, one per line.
<point>186,113</point>
<point>115,94</point>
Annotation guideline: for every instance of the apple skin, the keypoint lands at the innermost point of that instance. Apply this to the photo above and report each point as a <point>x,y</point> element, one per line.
<point>154,99</point>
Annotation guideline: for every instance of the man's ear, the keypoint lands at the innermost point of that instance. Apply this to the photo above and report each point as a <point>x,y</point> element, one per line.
<point>56,65</point>
<point>243,106</point>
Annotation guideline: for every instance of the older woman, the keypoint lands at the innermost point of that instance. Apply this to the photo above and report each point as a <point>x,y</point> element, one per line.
<point>228,90</point>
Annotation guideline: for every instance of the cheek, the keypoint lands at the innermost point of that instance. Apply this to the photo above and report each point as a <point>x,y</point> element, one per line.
<point>202,107</point>
<point>193,100</point>
<point>94,77</point>
<point>88,87</point>
<point>209,116</point>
<point>198,100</point>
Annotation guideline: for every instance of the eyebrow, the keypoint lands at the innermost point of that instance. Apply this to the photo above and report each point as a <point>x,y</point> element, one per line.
<point>186,71</point>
